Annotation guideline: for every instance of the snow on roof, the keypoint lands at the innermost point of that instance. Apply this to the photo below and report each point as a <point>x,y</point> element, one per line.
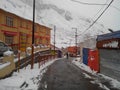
<point>8,53</point>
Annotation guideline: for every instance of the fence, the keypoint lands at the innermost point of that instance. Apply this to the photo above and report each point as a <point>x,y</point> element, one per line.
<point>38,58</point>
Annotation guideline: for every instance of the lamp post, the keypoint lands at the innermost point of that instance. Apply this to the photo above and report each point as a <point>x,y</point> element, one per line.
<point>33,27</point>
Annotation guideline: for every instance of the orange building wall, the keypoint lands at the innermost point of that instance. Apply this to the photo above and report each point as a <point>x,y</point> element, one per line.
<point>4,27</point>
<point>21,27</point>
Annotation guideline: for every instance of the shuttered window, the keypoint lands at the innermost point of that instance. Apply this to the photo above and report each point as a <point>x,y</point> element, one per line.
<point>9,39</point>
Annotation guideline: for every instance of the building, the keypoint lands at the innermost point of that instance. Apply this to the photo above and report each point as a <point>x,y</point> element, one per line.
<point>72,50</point>
<point>17,32</point>
<point>109,52</point>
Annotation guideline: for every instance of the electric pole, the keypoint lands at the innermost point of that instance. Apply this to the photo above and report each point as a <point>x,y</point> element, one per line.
<point>33,27</point>
<point>75,39</point>
<point>54,38</point>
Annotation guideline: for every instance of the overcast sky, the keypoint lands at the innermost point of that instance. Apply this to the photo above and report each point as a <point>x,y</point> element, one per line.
<point>111,18</point>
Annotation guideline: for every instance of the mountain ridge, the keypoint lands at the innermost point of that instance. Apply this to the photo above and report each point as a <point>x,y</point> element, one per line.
<point>51,15</point>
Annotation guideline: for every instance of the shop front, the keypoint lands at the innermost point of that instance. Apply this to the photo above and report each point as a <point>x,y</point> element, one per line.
<point>109,50</point>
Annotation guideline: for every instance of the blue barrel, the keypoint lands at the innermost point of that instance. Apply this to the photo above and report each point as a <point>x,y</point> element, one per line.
<point>85,55</point>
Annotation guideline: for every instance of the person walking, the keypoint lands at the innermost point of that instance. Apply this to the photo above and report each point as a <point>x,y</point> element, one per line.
<point>67,55</point>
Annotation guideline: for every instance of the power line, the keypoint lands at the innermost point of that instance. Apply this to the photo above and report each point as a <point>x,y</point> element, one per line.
<point>100,9</point>
<point>85,3</point>
<point>99,16</point>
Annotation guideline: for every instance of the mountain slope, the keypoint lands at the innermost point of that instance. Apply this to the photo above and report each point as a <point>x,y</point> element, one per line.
<point>49,14</point>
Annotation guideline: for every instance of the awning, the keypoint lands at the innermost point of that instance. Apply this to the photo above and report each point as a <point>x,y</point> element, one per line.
<point>9,33</point>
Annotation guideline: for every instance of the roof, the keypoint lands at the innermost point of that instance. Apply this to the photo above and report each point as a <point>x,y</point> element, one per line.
<point>43,25</point>
<point>107,36</point>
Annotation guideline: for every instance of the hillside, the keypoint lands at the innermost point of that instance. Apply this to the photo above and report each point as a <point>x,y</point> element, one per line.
<point>50,14</point>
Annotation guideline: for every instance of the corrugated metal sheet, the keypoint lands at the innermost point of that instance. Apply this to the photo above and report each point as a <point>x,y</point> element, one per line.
<point>110,63</point>
<point>108,36</point>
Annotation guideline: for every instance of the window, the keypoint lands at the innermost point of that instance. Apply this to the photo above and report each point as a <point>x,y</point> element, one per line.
<point>9,39</point>
<point>20,23</point>
<point>9,21</point>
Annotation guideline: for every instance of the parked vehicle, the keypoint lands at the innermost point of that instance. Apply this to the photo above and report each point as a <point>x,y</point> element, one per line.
<point>4,47</point>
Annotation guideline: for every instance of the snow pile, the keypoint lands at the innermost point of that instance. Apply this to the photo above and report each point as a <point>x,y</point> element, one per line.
<point>2,65</point>
<point>16,59</point>
<point>29,48</point>
<point>103,81</point>
<point>82,66</point>
<point>8,53</point>
<point>11,83</point>
<point>26,79</point>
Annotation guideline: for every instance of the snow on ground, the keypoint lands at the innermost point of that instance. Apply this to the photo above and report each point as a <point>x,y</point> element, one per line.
<point>30,78</point>
<point>2,65</point>
<point>97,78</point>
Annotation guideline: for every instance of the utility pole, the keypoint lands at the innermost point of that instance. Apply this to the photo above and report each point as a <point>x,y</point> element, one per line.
<point>54,38</point>
<point>70,42</point>
<point>33,27</point>
<point>76,39</point>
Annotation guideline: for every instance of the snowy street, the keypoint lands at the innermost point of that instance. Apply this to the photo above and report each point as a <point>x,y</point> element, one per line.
<point>59,74</point>
<point>64,75</point>
<point>59,44</point>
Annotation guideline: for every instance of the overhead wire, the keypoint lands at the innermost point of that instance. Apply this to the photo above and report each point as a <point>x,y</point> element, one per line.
<point>98,16</point>
<point>100,9</point>
<point>85,3</point>
<point>88,3</point>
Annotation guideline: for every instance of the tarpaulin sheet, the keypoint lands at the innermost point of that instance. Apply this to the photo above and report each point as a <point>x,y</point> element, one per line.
<point>85,55</point>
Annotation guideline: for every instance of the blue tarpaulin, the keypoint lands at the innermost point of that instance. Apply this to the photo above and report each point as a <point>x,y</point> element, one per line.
<point>108,36</point>
<point>85,55</point>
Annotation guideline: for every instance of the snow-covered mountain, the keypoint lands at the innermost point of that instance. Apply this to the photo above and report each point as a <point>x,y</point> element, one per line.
<point>50,13</point>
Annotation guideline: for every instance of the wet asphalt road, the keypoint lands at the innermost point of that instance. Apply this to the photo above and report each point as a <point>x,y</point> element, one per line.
<point>63,75</point>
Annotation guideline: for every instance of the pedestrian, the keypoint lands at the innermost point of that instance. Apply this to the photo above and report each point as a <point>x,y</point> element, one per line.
<point>67,55</point>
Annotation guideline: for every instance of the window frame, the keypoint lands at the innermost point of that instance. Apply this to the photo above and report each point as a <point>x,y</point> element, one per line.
<point>9,21</point>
